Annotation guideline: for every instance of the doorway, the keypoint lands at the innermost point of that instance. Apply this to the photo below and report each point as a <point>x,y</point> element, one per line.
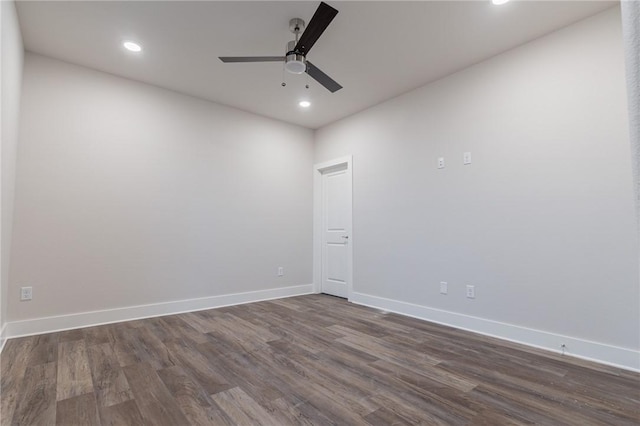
<point>333,239</point>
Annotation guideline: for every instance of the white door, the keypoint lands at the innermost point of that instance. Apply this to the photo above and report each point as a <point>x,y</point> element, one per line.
<point>335,236</point>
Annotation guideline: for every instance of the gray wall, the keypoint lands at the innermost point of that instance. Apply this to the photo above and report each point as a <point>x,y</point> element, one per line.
<point>128,194</point>
<point>12,61</point>
<point>542,222</point>
<point>631,28</point>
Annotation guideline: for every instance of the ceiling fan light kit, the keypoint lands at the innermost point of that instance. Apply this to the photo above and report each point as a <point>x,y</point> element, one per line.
<point>295,60</point>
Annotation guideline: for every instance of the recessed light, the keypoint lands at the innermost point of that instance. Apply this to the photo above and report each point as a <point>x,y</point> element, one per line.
<point>499,2</point>
<point>133,47</point>
<point>304,104</point>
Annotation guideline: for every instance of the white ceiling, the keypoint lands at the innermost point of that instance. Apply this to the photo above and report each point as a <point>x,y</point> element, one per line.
<point>376,50</point>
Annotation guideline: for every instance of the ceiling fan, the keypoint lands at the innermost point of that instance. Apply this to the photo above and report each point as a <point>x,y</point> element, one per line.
<point>295,60</point>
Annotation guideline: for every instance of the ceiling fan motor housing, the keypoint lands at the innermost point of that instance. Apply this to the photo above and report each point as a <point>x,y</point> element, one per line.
<point>294,62</point>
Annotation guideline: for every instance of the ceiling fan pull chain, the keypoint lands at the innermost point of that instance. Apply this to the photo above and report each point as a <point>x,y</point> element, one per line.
<point>283,73</point>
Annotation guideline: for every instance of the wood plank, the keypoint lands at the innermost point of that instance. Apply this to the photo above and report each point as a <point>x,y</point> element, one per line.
<point>199,321</point>
<point>80,410</point>
<point>417,410</point>
<point>246,371</point>
<point>36,403</point>
<point>110,384</point>
<point>179,329</point>
<point>520,411</point>
<point>286,412</point>
<point>69,335</point>
<point>123,414</point>
<point>13,365</point>
<point>74,374</point>
<point>205,372</point>
<point>384,417</point>
<point>314,415</point>
<point>98,335</point>
<point>127,346</point>
<point>492,418</point>
<point>335,400</point>
<point>417,376</point>
<point>156,352</point>
<point>237,342</point>
<point>155,402</point>
<point>241,409</point>
<point>44,349</point>
<point>386,351</point>
<point>192,399</point>
<point>241,328</point>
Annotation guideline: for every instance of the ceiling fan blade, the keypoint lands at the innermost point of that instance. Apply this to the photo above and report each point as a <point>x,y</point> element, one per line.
<point>322,78</point>
<point>319,22</point>
<point>251,58</point>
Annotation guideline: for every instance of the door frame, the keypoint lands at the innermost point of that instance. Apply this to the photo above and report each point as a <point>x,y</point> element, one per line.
<point>318,171</point>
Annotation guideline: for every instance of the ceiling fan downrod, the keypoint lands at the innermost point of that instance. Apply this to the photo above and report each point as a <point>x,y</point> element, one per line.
<point>295,61</point>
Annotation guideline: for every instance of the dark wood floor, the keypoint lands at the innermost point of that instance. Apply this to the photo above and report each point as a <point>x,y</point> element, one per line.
<point>303,360</point>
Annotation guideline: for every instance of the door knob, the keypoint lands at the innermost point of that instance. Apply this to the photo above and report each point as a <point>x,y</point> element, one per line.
<point>346,237</point>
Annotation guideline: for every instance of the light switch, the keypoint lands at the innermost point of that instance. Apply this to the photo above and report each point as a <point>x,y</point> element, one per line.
<point>471,292</point>
<point>466,158</point>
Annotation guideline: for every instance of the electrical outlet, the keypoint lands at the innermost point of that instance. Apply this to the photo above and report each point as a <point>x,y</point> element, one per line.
<point>26,293</point>
<point>280,271</point>
<point>441,162</point>
<point>471,292</point>
<point>444,287</point>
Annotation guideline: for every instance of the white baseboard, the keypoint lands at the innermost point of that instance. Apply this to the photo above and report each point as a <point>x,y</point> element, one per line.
<point>3,336</point>
<point>627,359</point>
<point>88,319</point>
